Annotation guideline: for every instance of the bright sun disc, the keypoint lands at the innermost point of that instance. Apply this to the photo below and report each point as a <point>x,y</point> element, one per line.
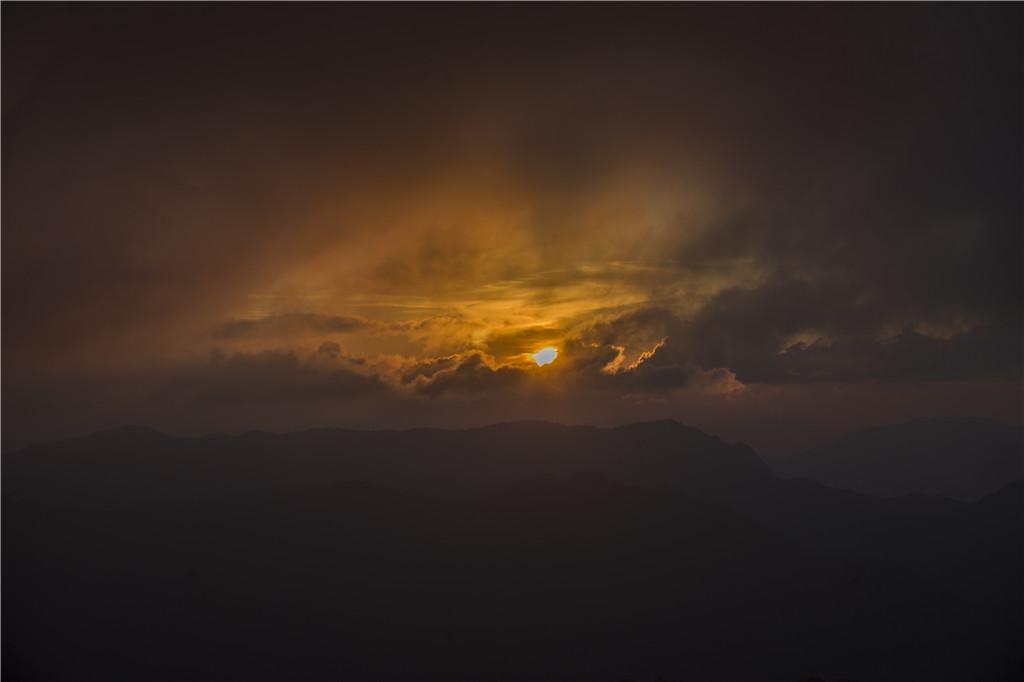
<point>545,356</point>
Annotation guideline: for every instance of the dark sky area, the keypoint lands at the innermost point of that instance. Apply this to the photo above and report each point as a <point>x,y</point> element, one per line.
<point>776,223</point>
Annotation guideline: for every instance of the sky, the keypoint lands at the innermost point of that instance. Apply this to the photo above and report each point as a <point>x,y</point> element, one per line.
<point>777,223</point>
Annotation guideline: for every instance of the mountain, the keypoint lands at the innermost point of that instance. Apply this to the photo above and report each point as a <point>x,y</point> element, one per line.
<point>131,465</point>
<point>961,458</point>
<point>570,577</point>
<point>520,551</point>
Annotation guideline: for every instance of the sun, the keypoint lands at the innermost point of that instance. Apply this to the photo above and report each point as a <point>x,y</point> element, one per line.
<point>545,356</point>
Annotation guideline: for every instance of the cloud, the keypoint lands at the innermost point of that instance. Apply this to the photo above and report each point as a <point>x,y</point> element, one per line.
<point>471,373</point>
<point>747,336</point>
<point>269,377</point>
<point>667,207</point>
<point>290,324</point>
<point>751,332</point>
<point>330,349</point>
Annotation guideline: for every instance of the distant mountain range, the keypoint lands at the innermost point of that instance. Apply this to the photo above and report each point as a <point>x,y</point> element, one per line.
<point>138,464</point>
<point>960,458</point>
<point>520,551</point>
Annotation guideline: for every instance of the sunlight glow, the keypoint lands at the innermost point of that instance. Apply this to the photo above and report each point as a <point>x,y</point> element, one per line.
<point>545,356</point>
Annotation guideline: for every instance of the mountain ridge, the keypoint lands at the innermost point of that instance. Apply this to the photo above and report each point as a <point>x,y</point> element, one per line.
<point>463,548</point>
<point>960,457</point>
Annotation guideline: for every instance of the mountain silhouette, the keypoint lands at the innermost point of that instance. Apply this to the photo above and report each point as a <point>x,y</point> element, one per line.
<point>521,551</point>
<point>128,465</point>
<point>961,458</point>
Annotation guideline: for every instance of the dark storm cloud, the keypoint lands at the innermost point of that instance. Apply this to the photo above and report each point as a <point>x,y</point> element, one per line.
<point>470,373</point>
<point>875,150</point>
<point>580,359</point>
<point>289,324</point>
<point>631,328</point>
<point>330,349</point>
<point>749,333</point>
<point>156,163</point>
<point>269,377</point>
<point>428,368</point>
<point>850,180</point>
<point>981,353</point>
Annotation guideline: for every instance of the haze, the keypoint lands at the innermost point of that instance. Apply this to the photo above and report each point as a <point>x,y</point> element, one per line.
<point>780,224</point>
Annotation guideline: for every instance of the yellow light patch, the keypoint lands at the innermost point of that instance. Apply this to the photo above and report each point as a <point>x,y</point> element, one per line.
<point>545,356</point>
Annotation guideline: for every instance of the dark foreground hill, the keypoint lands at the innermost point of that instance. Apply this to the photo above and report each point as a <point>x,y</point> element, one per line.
<point>521,551</point>
<point>959,458</point>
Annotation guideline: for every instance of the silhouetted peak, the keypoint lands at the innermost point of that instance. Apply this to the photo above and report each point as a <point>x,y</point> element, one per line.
<point>126,434</point>
<point>658,426</point>
<point>960,457</point>
<point>258,434</point>
<point>925,430</point>
<point>1008,498</point>
<point>134,431</point>
<point>667,430</point>
<point>120,439</point>
<point>524,427</point>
